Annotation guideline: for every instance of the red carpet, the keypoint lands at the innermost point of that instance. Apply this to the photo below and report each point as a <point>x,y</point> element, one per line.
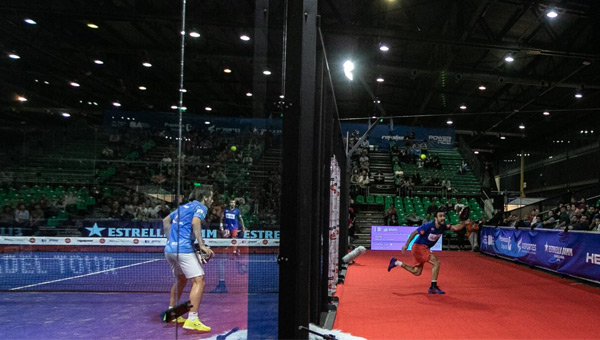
<point>486,298</point>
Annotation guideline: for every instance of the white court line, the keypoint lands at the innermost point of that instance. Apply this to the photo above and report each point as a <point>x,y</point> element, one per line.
<point>84,275</point>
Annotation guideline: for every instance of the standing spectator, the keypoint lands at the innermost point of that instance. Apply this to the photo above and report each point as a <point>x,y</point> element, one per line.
<point>446,187</point>
<point>472,229</point>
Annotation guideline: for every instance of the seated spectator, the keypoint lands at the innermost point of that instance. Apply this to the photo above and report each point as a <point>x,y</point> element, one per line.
<point>8,215</point>
<point>363,180</point>
<point>37,217</point>
<point>549,222</point>
<point>563,218</point>
<point>413,219</point>
<point>580,224</point>
<point>389,213</point>
<point>435,180</point>
<point>393,221</point>
<point>22,216</point>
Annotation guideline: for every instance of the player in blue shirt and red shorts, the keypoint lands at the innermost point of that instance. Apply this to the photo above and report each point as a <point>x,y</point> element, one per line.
<point>429,233</point>
<point>233,219</point>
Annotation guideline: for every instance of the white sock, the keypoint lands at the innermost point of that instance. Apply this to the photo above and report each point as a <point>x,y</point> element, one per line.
<point>398,263</point>
<point>192,316</point>
<point>170,307</point>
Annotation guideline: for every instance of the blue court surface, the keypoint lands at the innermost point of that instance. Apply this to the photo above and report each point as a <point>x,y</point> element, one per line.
<point>108,295</point>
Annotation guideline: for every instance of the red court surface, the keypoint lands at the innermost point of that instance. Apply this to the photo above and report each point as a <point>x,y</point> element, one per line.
<point>486,298</point>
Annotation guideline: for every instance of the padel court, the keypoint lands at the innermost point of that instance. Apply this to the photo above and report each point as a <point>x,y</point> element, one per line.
<point>114,294</point>
<point>486,298</point>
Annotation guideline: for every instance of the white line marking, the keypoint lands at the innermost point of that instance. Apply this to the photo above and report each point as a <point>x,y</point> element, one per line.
<point>84,275</point>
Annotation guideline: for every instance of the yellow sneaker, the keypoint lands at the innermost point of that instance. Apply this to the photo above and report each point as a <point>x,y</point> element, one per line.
<point>195,325</point>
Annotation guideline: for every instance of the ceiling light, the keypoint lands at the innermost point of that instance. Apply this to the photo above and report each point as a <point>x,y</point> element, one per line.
<point>142,88</point>
<point>21,99</point>
<point>183,108</point>
<point>463,107</point>
<point>207,122</point>
<point>194,34</point>
<point>384,48</point>
<point>281,96</point>
<point>522,127</point>
<point>348,68</point>
<point>30,21</point>
<point>208,108</point>
<point>117,104</point>
<point>502,137</point>
<point>267,72</point>
<point>14,56</point>
<point>227,70</point>
<point>380,80</point>
<point>476,152</point>
<point>74,84</point>
<point>146,64</point>
<point>578,95</point>
<point>92,25</point>
<point>46,82</point>
<point>482,87</point>
<point>98,62</point>
<point>449,122</point>
<point>66,115</point>
<point>244,37</point>
<point>551,14</point>
<point>173,107</point>
<point>546,113</point>
<point>248,94</point>
<point>183,90</point>
<point>509,59</point>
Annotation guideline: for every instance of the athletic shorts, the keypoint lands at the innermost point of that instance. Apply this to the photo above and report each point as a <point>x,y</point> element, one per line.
<point>188,264</point>
<point>234,233</point>
<point>421,254</point>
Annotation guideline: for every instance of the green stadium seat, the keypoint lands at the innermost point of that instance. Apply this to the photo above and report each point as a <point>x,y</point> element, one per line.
<point>360,199</point>
<point>370,199</point>
<point>389,200</point>
<point>379,200</point>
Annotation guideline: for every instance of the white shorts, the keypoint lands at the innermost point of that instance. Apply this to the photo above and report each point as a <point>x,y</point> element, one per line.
<point>188,264</point>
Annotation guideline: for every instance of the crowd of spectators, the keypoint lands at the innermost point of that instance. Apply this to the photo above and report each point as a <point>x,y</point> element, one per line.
<point>145,159</point>
<point>573,215</point>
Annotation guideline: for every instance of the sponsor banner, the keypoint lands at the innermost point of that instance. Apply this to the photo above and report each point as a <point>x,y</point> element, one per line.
<point>152,229</point>
<point>170,121</point>
<point>571,253</point>
<point>130,241</point>
<point>382,134</point>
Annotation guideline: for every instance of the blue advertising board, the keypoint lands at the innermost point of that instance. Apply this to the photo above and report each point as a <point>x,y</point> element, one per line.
<point>382,134</point>
<point>572,253</point>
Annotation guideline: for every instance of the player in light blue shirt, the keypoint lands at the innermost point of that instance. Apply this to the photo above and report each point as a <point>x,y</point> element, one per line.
<point>182,227</point>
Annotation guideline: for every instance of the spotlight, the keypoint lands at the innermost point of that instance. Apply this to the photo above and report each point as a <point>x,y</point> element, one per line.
<point>14,56</point>
<point>194,34</point>
<point>380,79</point>
<point>227,70</point>
<point>21,99</point>
<point>146,64</point>
<point>66,115</point>
<point>509,59</point>
<point>482,87</point>
<point>248,94</point>
<point>551,14</point>
<point>522,127</point>
<point>142,88</point>
<point>463,107</point>
<point>244,37</point>
<point>578,95</point>
<point>546,113</point>
<point>117,104</point>
<point>267,72</point>
<point>98,62</point>
<point>449,122</point>
<point>348,68</point>
<point>384,48</point>
<point>208,108</point>
<point>30,21</point>
<point>92,25</point>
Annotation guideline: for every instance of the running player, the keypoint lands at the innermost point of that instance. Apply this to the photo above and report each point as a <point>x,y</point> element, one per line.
<point>182,227</point>
<point>429,233</point>
<point>233,219</point>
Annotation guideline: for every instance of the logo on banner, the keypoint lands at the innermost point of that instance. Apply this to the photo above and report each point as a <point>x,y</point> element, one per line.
<point>233,242</point>
<point>265,242</point>
<point>489,240</point>
<point>67,240</point>
<point>558,252</point>
<point>95,230</point>
<point>136,241</point>
<point>528,248</point>
<point>505,243</point>
<point>592,258</point>
<point>102,240</point>
<point>32,240</point>
<point>445,140</point>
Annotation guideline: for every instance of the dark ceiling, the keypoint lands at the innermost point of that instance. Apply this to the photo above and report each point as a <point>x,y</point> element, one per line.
<point>440,52</point>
